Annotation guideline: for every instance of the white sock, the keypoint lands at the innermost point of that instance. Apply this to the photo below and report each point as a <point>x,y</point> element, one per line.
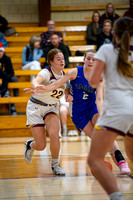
<point>116,196</point>
<point>54,162</point>
<point>64,129</point>
<point>31,145</point>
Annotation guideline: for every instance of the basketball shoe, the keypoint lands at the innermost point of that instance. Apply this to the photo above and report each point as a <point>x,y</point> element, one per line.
<point>57,170</point>
<point>28,153</point>
<point>123,166</point>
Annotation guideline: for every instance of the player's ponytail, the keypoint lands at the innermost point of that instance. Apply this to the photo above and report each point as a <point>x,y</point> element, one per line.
<point>124,29</point>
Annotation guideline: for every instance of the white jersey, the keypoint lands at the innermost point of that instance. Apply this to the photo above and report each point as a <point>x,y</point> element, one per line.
<point>118,90</point>
<point>53,96</point>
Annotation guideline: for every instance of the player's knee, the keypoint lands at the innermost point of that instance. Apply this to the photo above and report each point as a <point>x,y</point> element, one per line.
<point>92,162</point>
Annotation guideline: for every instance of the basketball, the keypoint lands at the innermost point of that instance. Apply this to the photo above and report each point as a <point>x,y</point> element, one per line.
<point>108,164</point>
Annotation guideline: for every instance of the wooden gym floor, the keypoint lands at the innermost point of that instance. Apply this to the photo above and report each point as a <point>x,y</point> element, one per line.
<point>35,181</point>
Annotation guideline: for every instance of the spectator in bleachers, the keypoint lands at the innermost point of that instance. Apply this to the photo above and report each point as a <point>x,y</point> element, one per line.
<point>129,12</point>
<point>109,14</point>
<point>4,29</point>
<point>105,37</point>
<point>55,43</point>
<point>31,54</point>
<point>93,29</point>
<point>4,92</point>
<point>46,36</point>
<point>3,24</point>
<point>6,65</point>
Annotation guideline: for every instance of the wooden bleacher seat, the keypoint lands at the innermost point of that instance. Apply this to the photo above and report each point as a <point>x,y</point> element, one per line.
<point>5,100</point>
<point>15,126</point>
<point>17,62</point>
<point>23,41</point>
<point>69,30</point>
<point>16,52</point>
<point>86,7</point>
<point>32,72</point>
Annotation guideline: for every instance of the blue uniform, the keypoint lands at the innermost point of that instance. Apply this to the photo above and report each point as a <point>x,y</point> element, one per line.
<point>84,97</point>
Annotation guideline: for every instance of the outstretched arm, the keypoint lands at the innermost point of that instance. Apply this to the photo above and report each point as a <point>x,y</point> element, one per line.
<point>70,75</point>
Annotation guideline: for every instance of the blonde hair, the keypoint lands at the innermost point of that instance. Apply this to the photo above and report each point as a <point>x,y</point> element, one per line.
<point>51,54</point>
<point>88,51</point>
<point>123,28</point>
<point>107,21</point>
<point>33,39</point>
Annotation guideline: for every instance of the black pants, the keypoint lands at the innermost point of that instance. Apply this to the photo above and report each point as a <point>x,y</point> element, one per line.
<point>15,91</point>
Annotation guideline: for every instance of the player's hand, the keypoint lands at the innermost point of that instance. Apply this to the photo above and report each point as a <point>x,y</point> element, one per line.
<point>30,90</point>
<point>40,87</point>
<point>69,98</point>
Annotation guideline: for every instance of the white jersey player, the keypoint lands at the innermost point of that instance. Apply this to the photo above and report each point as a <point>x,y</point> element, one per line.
<point>43,109</point>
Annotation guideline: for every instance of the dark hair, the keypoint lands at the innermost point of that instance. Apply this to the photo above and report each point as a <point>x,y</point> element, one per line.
<point>123,28</point>
<point>52,53</point>
<point>94,13</point>
<point>55,34</point>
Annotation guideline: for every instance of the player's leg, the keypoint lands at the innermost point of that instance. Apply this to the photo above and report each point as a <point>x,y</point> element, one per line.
<point>101,143</point>
<point>64,112</point>
<point>128,140</point>
<point>119,159</point>
<point>39,142</point>
<point>88,129</point>
<point>52,125</point>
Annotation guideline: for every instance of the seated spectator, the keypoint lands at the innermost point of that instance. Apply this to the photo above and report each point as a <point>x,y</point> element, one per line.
<point>64,113</point>
<point>4,29</point>
<point>93,29</point>
<point>105,36</point>
<point>3,24</point>
<point>46,36</point>
<point>4,92</point>
<point>6,66</point>
<point>129,12</point>
<point>31,54</point>
<point>109,14</point>
<point>55,43</point>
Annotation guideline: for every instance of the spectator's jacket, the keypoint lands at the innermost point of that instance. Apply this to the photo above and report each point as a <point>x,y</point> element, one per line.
<point>102,38</point>
<point>6,65</point>
<point>45,36</point>
<point>91,36</point>
<point>27,56</point>
<point>110,17</point>
<point>4,85</point>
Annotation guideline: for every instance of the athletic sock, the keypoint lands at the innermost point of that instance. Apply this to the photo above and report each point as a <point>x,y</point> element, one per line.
<point>118,155</point>
<point>64,130</point>
<point>31,145</point>
<point>54,162</point>
<point>116,196</point>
